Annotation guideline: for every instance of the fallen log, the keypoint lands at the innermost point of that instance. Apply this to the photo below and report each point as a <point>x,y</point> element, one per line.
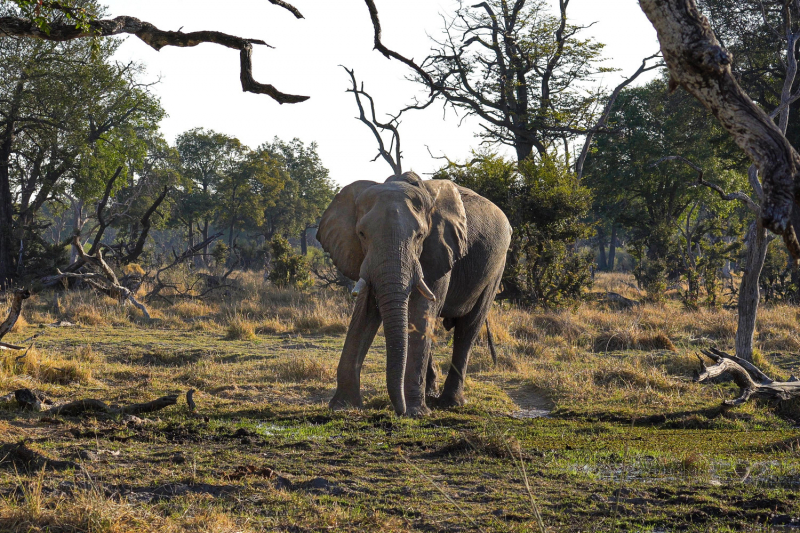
<point>32,401</point>
<point>751,380</point>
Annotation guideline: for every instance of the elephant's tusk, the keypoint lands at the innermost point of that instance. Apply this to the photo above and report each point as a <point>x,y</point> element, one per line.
<point>359,287</point>
<point>425,291</point>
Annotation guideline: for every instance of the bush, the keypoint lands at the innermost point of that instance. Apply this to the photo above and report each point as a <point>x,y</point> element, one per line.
<point>288,268</point>
<point>547,207</point>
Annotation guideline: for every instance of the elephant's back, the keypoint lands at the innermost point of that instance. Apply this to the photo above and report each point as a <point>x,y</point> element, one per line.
<point>485,221</point>
<point>488,238</point>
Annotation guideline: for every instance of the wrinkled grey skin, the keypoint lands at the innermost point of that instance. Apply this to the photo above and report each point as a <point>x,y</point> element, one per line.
<point>420,250</point>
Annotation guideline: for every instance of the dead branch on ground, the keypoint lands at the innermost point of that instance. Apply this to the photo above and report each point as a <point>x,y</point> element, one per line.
<point>30,400</point>
<point>192,251</point>
<point>750,379</point>
<point>104,281</point>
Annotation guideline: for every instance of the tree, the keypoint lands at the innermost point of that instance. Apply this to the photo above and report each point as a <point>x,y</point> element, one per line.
<point>310,191</point>
<point>61,105</point>
<point>644,193</point>
<point>547,207</point>
<point>247,190</point>
<point>206,156</point>
<point>518,68</point>
<point>702,66</point>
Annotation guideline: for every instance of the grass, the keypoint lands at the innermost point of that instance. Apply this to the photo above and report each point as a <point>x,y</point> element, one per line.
<point>632,444</point>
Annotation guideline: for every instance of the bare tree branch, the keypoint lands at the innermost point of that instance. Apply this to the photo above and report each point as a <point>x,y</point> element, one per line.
<point>738,195</point>
<point>373,124</point>
<point>603,120</point>
<point>750,379</point>
<point>157,39</point>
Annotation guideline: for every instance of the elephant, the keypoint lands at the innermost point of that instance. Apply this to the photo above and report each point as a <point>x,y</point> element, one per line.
<point>419,250</point>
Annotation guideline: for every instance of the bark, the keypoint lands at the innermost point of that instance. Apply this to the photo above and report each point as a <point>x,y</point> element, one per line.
<point>747,306</point>
<point>698,63</point>
<point>157,39</point>
<point>602,261</point>
<point>7,267</point>
<point>138,248</point>
<point>304,241</point>
<point>101,205</point>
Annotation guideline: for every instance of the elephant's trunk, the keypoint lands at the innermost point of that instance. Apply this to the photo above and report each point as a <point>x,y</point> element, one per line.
<point>393,305</point>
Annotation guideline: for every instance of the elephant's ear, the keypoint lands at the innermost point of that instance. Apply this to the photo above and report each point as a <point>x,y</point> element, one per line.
<point>447,241</point>
<point>337,229</point>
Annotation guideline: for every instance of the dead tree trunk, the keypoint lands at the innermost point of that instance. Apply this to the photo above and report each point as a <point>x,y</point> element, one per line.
<point>13,315</point>
<point>105,281</point>
<point>699,64</point>
<point>752,382</point>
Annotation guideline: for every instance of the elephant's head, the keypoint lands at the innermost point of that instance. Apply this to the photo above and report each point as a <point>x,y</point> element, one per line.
<point>385,235</point>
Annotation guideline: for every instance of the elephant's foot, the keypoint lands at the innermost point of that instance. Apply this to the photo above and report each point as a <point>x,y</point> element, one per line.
<point>417,411</point>
<point>447,401</point>
<point>345,400</point>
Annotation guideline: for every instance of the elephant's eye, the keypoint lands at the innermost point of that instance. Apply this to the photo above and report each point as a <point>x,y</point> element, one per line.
<point>419,236</point>
<point>361,234</point>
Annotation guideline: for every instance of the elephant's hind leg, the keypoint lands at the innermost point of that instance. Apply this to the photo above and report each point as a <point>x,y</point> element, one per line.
<point>363,326</point>
<point>467,329</point>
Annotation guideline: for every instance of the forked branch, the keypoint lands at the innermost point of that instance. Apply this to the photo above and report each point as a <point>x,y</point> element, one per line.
<point>374,125</point>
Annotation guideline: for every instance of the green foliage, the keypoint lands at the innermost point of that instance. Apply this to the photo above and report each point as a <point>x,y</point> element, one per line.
<point>220,253</point>
<point>547,208</point>
<point>779,280</point>
<point>288,268</point>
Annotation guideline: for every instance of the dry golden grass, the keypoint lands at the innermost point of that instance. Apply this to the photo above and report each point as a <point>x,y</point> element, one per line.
<point>302,369</point>
<point>240,328</point>
<point>43,367</point>
<point>90,510</point>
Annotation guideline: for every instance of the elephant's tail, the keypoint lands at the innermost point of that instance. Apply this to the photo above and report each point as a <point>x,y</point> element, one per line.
<point>491,343</point>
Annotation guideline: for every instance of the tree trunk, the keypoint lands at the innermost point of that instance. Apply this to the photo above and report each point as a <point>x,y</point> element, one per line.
<point>612,248</point>
<point>747,306</point>
<point>205,238</point>
<point>602,262</point>
<point>6,212</point>
<point>304,241</point>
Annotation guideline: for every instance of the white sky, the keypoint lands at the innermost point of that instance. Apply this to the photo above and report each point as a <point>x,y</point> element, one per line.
<point>200,86</point>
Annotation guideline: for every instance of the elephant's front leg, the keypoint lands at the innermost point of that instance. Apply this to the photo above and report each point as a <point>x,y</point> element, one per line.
<point>421,316</point>
<point>363,327</point>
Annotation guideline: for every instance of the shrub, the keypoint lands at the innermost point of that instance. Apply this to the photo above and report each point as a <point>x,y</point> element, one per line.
<point>547,206</point>
<point>288,268</point>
